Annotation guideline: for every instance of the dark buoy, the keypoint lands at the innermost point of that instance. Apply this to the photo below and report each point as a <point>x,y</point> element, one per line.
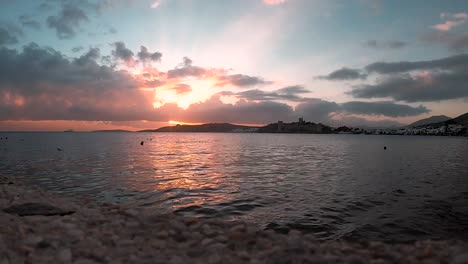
<point>59,149</point>
<point>141,143</point>
<point>385,147</point>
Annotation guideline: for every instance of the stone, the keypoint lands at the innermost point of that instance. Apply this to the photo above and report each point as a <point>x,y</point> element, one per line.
<point>29,209</point>
<point>64,255</point>
<point>461,259</point>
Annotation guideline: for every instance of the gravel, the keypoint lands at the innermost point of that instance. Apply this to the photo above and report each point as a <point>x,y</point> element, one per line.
<point>39,227</point>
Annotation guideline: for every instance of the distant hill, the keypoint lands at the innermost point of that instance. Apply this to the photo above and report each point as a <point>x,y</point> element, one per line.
<point>461,120</point>
<point>113,131</point>
<point>214,127</point>
<point>430,120</point>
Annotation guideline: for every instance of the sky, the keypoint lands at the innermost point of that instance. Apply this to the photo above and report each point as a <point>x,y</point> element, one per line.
<point>140,64</point>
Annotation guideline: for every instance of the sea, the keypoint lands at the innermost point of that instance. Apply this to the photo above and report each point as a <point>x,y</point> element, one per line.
<point>350,187</point>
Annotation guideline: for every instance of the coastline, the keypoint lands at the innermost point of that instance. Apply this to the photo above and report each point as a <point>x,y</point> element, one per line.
<point>71,230</point>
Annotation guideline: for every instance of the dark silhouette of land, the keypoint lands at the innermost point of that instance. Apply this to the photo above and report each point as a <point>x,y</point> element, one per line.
<point>213,127</point>
<point>430,120</point>
<point>296,127</point>
<point>448,127</point>
<point>112,131</point>
<point>461,120</point>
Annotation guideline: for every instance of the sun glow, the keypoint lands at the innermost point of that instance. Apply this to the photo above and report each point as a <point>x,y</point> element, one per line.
<point>173,122</point>
<point>201,91</point>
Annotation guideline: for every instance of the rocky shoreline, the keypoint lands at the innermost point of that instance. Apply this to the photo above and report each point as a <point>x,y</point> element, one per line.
<point>40,227</point>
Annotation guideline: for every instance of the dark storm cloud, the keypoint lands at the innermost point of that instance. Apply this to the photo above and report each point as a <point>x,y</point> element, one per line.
<point>27,21</point>
<point>385,108</point>
<point>385,44</point>
<point>344,74</point>
<point>144,55</point>
<point>241,80</point>
<point>68,21</point>
<point>122,52</point>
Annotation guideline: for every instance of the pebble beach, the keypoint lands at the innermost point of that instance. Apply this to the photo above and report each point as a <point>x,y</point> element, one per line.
<point>41,227</point>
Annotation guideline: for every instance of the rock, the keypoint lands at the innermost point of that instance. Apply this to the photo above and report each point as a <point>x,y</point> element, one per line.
<point>64,255</point>
<point>205,242</point>
<point>461,259</point>
<point>43,244</point>
<point>28,209</point>
<point>84,261</point>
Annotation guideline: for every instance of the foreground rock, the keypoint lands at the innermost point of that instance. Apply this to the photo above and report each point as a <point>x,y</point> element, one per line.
<point>68,231</point>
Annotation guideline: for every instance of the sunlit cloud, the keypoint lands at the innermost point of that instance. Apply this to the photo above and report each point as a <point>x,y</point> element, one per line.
<point>155,4</point>
<point>274,2</point>
<point>451,21</point>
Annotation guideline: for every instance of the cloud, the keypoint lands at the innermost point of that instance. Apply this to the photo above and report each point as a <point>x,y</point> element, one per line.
<point>448,25</point>
<point>186,69</point>
<point>423,87</point>
<point>193,71</point>
<point>295,89</point>
<point>42,84</point>
<point>67,22</point>
<point>77,49</point>
<point>290,93</point>
<point>155,4</point>
<point>182,88</point>
<point>323,111</point>
<point>356,121</point>
<point>274,2</point>
<point>9,34</point>
<point>451,21</point>
<point>455,41</point>
<point>385,108</point>
<point>317,110</point>
<point>241,80</point>
<point>244,112</point>
<point>395,44</point>
<point>344,74</point>
<point>26,21</point>
<point>456,62</point>
<point>418,81</point>
<point>144,55</point>
<point>122,52</point>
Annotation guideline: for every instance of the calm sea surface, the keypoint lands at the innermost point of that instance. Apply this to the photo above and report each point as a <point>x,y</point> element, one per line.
<point>333,186</point>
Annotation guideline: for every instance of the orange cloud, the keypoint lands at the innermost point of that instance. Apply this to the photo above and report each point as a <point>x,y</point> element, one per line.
<point>274,2</point>
<point>451,21</point>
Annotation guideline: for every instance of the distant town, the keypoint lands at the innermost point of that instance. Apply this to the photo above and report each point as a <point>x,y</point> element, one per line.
<point>436,126</point>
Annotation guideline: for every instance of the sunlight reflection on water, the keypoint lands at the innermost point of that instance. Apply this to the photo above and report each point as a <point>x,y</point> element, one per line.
<point>334,186</point>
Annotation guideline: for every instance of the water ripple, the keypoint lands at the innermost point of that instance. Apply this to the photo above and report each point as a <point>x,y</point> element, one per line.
<point>332,186</point>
